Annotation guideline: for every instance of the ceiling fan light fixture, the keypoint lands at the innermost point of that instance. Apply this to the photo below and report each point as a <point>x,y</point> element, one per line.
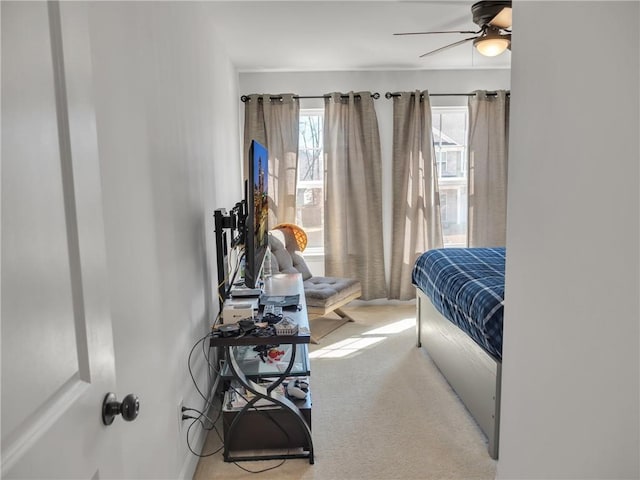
<point>492,43</point>
<point>494,19</point>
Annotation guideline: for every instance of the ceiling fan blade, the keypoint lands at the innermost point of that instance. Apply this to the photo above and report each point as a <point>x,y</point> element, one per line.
<point>455,44</point>
<point>445,31</point>
<point>503,19</point>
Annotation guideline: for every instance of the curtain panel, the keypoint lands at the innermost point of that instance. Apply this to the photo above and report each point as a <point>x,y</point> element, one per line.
<point>353,192</point>
<point>273,120</point>
<point>488,159</point>
<point>416,207</point>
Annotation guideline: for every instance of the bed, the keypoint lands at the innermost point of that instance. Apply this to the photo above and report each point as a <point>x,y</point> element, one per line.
<point>460,303</point>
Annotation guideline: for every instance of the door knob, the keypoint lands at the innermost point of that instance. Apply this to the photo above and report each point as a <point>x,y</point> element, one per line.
<point>111,408</point>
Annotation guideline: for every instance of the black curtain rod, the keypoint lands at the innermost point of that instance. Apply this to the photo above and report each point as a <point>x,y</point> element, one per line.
<point>375,96</point>
<point>489,94</point>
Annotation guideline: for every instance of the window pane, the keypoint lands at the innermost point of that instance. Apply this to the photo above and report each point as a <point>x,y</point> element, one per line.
<point>310,148</point>
<point>450,143</point>
<point>310,190</point>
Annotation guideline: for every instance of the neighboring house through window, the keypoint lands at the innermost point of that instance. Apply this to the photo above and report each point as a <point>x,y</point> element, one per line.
<point>450,145</point>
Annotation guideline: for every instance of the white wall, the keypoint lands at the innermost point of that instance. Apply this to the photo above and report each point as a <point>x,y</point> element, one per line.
<point>167,119</point>
<point>570,406</point>
<point>436,81</point>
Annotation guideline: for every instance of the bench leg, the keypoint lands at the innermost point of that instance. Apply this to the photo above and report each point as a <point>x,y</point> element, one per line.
<point>342,314</point>
<point>342,317</point>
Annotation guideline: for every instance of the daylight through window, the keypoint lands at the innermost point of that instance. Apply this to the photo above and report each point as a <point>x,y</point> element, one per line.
<point>310,190</point>
<point>450,145</point>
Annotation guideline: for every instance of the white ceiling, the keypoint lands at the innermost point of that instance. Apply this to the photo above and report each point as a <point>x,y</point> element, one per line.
<point>307,35</point>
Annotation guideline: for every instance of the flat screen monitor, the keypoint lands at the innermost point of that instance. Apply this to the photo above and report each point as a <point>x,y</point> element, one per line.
<point>257,228</point>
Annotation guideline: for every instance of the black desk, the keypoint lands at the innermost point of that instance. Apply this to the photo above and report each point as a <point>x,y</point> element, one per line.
<point>280,285</point>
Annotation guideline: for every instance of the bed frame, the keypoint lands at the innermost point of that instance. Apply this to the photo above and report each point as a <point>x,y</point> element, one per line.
<point>474,374</point>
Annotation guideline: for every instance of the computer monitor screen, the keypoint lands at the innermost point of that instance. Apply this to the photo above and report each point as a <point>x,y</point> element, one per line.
<point>257,228</point>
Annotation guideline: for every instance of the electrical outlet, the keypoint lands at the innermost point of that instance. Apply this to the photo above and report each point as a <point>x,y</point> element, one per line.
<point>180,412</point>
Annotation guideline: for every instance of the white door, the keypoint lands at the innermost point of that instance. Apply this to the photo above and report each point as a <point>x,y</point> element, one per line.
<point>57,346</point>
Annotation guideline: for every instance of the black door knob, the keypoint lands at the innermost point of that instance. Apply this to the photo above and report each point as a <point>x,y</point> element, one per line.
<point>128,408</point>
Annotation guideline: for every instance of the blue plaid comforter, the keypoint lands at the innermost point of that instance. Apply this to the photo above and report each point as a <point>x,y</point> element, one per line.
<point>466,285</point>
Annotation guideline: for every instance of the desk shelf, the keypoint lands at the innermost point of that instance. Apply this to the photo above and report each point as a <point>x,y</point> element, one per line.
<point>266,427</point>
<point>282,422</point>
<point>254,368</point>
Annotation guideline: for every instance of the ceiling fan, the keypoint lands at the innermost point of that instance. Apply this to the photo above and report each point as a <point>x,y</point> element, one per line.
<point>494,36</point>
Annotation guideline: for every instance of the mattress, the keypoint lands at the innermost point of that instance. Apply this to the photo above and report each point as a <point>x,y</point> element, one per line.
<point>466,285</point>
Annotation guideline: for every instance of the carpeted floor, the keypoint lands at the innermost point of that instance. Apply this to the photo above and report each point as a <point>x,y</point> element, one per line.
<point>381,410</point>
<point>322,326</point>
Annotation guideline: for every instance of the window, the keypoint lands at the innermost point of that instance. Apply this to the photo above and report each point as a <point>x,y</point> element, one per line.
<point>450,145</point>
<point>310,189</point>
<point>444,211</point>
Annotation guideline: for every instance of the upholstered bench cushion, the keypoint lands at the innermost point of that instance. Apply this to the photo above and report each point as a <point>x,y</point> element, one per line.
<point>322,294</point>
<point>324,291</point>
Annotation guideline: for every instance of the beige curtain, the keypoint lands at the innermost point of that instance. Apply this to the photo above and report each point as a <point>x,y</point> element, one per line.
<point>353,192</point>
<point>416,206</point>
<point>488,158</point>
<point>273,120</point>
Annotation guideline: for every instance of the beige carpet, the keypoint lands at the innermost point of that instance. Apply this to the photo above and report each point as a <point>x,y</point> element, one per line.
<point>322,326</point>
<point>381,410</point>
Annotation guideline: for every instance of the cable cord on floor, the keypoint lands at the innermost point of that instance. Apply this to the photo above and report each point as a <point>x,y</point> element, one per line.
<point>260,471</point>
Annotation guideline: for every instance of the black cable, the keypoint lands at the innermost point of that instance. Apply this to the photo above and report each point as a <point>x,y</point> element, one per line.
<point>199,419</point>
<point>209,403</point>
<point>195,383</point>
<point>235,272</point>
<point>211,365</point>
<point>201,414</point>
<point>206,350</point>
<point>208,399</point>
<point>260,471</point>
<point>198,454</point>
<point>236,269</point>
